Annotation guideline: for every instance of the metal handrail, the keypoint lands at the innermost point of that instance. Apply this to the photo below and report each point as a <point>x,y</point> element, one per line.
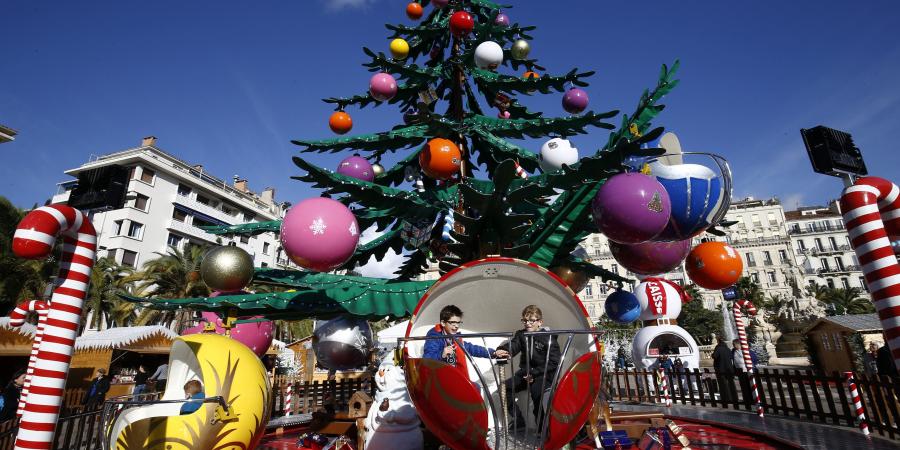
<point>113,407</point>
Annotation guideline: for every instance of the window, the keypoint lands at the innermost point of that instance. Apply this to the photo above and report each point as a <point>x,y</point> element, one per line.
<point>802,245</point>
<point>837,341</point>
<point>198,222</point>
<point>771,275</point>
<point>184,190</point>
<point>862,282</point>
<point>141,202</point>
<point>838,263</point>
<point>588,290</point>
<point>249,216</point>
<point>819,245</point>
<point>848,241</point>
<point>135,229</point>
<point>614,268</point>
<point>824,263</point>
<point>771,217</point>
<point>782,256</point>
<point>179,215</point>
<point>202,199</point>
<point>755,277</point>
<point>147,175</point>
<point>117,228</point>
<point>751,260</point>
<point>232,244</point>
<point>603,288</point>
<point>833,243</point>
<point>830,282</point>
<point>767,257</point>
<point>129,258</point>
<point>265,248</point>
<point>245,239</point>
<point>174,240</point>
<point>826,345</point>
<point>756,219</point>
<point>845,282</point>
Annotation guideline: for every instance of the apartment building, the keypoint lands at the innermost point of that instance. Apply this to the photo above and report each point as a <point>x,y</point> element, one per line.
<point>822,245</point>
<point>144,200</point>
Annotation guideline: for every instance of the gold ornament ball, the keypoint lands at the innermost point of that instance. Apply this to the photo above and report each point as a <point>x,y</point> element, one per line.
<point>520,49</point>
<point>575,279</point>
<point>227,269</point>
<point>377,169</point>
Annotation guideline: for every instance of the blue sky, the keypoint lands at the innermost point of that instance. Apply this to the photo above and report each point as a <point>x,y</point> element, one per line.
<point>228,84</point>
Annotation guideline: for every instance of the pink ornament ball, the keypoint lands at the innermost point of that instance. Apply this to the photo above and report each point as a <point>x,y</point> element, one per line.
<point>255,335</point>
<point>575,100</point>
<point>319,234</point>
<point>504,114</point>
<point>631,208</point>
<point>382,86</point>
<point>357,167</point>
<point>501,20</point>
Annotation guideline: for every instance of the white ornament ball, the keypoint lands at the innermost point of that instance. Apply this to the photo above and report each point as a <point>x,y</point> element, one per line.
<point>556,152</point>
<point>488,55</point>
<point>658,299</point>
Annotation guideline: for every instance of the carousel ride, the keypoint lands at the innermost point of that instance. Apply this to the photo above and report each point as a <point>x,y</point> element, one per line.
<point>499,243</point>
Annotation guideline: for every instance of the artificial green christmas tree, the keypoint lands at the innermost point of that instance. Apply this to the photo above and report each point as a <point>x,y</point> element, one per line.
<point>500,200</point>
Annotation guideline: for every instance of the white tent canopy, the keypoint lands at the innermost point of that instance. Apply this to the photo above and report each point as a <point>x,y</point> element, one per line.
<point>388,337</point>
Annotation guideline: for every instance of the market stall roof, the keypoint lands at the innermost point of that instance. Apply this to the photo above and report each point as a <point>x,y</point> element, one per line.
<point>26,329</point>
<point>153,337</point>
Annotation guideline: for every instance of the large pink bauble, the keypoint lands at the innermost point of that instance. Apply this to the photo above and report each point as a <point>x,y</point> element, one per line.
<point>255,335</point>
<point>650,258</point>
<point>631,208</point>
<point>382,86</point>
<point>319,234</point>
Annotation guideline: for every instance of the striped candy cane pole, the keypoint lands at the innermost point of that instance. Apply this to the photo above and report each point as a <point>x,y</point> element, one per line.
<point>857,404</point>
<point>288,398</point>
<point>520,172</point>
<point>745,346</point>
<point>17,319</point>
<point>34,239</point>
<point>664,386</point>
<point>871,210</point>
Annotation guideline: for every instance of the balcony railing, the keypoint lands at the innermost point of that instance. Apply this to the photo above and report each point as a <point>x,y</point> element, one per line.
<point>830,250</point>
<point>817,229</point>
<point>845,269</point>
<point>208,210</point>
<point>190,230</point>
<point>759,241</point>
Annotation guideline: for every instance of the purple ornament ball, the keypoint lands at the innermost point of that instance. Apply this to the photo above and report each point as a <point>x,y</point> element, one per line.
<point>575,100</point>
<point>357,167</point>
<point>319,234</point>
<point>501,20</point>
<point>650,258</point>
<point>382,86</point>
<point>631,208</point>
<point>439,3</point>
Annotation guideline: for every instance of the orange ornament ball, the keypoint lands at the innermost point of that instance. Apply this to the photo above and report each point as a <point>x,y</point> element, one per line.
<point>440,159</point>
<point>414,11</point>
<point>340,122</point>
<point>530,74</point>
<point>714,265</point>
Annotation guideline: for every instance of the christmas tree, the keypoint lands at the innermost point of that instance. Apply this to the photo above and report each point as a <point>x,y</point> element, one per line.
<point>499,199</point>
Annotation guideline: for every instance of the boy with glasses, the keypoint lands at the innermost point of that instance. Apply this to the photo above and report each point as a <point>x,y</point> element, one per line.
<point>450,350</point>
<point>542,358</point>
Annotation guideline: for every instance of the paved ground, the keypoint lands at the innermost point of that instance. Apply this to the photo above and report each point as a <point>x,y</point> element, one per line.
<point>809,435</point>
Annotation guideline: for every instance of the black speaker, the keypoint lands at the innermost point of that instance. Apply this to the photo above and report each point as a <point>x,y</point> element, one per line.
<point>832,152</point>
<point>104,187</point>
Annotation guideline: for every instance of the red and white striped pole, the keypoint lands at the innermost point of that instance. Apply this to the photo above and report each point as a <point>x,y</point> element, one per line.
<point>871,212</point>
<point>288,398</point>
<point>745,346</point>
<point>17,319</point>
<point>857,404</point>
<point>34,239</point>
<point>664,386</point>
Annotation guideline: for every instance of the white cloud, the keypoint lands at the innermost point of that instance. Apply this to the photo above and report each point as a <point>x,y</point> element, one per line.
<point>339,5</point>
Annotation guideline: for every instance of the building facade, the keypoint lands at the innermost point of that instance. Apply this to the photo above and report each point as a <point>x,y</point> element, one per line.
<point>166,201</point>
<point>822,245</point>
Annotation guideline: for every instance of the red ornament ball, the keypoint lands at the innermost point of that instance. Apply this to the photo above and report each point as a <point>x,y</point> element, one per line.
<point>440,159</point>
<point>340,122</point>
<point>414,11</point>
<point>714,265</point>
<point>461,23</point>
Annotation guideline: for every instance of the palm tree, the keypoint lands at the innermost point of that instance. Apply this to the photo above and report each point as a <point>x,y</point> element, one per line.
<point>108,277</point>
<point>847,301</point>
<point>175,274</point>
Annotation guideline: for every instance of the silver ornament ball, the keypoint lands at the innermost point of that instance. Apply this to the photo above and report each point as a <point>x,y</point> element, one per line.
<point>227,269</point>
<point>377,169</point>
<point>520,49</point>
<point>342,343</point>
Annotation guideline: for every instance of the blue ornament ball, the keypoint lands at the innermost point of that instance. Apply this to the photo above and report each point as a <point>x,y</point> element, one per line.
<point>622,307</point>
